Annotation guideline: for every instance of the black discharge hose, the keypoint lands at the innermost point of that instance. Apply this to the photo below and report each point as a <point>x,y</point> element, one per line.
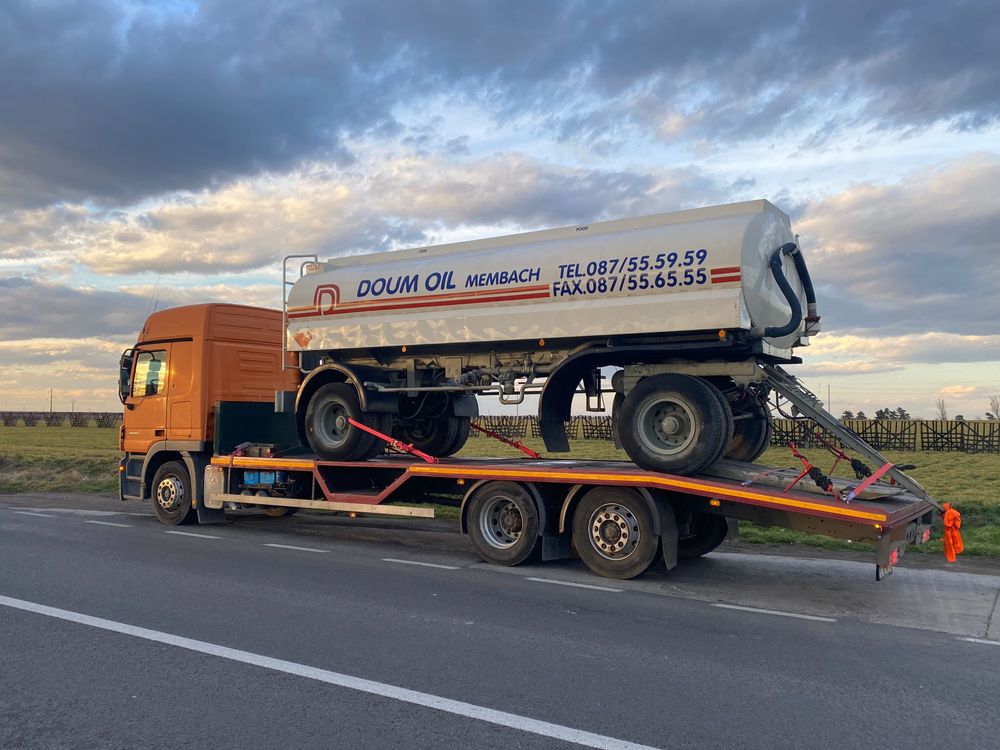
<point>789,248</point>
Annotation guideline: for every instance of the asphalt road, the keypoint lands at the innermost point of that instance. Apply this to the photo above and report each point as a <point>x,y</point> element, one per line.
<point>321,632</point>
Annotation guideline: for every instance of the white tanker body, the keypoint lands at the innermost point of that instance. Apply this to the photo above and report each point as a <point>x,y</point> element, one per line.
<point>681,301</point>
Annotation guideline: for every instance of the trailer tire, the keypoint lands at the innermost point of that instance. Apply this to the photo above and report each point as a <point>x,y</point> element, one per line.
<point>709,532</point>
<point>613,533</point>
<point>503,523</point>
<point>171,494</point>
<point>438,437</point>
<point>674,423</point>
<point>279,511</point>
<point>461,437</point>
<point>751,437</point>
<point>329,434</point>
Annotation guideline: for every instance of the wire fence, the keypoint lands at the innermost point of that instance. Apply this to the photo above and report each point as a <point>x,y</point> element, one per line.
<point>61,418</point>
<point>960,436</point>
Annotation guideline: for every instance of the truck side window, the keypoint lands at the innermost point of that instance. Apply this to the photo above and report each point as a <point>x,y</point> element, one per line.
<point>150,373</point>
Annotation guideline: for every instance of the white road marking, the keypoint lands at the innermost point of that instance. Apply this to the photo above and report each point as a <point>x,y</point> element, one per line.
<point>777,612</point>
<point>109,523</point>
<point>29,513</point>
<point>300,549</point>
<point>981,640</point>
<point>424,564</point>
<point>404,695</point>
<point>574,585</point>
<point>190,533</point>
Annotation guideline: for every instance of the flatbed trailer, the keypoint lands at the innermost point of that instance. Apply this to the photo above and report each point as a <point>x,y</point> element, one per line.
<point>618,518</point>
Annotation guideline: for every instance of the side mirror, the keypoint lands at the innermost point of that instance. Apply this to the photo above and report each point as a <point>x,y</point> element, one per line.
<point>125,375</point>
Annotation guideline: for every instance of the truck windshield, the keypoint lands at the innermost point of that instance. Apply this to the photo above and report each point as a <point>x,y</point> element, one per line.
<point>150,373</point>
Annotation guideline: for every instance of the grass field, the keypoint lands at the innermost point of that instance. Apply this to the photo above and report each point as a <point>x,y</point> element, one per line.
<point>51,459</point>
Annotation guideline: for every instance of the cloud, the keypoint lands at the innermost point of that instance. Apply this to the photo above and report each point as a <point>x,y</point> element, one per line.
<point>116,101</point>
<point>918,255</point>
<point>896,351</point>
<point>37,310</point>
<point>959,390</point>
<point>389,201</point>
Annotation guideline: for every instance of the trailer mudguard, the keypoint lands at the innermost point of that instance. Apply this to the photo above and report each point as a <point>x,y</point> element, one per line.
<point>356,375</point>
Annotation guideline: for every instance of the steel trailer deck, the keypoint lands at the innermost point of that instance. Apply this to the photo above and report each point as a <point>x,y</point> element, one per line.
<point>888,516</point>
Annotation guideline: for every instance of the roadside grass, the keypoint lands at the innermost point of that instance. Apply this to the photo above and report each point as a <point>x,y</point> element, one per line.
<point>58,459</point>
<point>70,459</point>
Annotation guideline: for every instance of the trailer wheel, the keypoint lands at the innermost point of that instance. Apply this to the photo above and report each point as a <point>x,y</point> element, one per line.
<point>442,436</point>
<point>503,523</point>
<point>708,531</point>
<point>613,533</point>
<point>329,433</point>
<point>461,437</point>
<point>172,494</point>
<point>674,423</point>
<point>751,437</point>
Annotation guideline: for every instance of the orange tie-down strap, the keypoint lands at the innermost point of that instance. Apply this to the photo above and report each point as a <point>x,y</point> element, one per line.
<point>953,546</point>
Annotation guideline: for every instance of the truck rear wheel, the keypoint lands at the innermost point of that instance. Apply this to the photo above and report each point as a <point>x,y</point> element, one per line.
<point>707,532</point>
<point>172,494</point>
<point>328,431</point>
<point>613,533</point>
<point>503,523</point>
<point>673,423</point>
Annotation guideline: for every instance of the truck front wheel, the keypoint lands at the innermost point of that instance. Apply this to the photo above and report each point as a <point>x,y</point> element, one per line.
<point>675,423</point>
<point>330,434</point>
<point>172,494</point>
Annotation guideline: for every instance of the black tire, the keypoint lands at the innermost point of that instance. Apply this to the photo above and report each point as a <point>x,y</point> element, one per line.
<point>751,437</point>
<point>503,523</point>
<point>171,494</point>
<point>383,423</point>
<point>700,424</point>
<point>461,436</point>
<point>613,533</point>
<point>708,531</point>
<point>434,436</point>
<point>327,431</point>
<point>278,511</point>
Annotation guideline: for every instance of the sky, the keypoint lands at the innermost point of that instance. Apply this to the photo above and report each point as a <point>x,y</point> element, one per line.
<point>165,153</point>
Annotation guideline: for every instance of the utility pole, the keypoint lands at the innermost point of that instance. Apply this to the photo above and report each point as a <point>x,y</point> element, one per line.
<point>50,400</point>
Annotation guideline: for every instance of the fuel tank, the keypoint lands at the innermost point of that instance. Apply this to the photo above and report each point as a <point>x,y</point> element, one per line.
<point>703,269</point>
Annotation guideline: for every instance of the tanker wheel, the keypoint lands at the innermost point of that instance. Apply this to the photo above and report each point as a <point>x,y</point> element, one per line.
<point>503,523</point>
<point>461,437</point>
<point>329,433</point>
<point>613,533</point>
<point>707,532</point>
<point>751,436</point>
<point>172,494</point>
<point>438,437</point>
<point>673,423</point>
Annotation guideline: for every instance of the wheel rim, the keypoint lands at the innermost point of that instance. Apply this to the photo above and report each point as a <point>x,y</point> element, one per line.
<point>501,522</point>
<point>170,492</point>
<point>614,531</point>
<point>666,425</point>
<point>331,423</point>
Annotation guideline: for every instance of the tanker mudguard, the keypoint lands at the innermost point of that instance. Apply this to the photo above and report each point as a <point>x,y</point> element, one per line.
<point>357,375</point>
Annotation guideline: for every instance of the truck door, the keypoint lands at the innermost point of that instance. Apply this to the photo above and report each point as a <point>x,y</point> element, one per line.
<point>146,405</point>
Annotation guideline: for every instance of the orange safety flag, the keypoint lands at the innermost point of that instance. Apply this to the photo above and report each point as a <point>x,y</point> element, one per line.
<point>952,536</point>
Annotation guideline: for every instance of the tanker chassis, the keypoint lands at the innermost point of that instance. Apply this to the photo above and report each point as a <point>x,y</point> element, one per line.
<point>689,308</point>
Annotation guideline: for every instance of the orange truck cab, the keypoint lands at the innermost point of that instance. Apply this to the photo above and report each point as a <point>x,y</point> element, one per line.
<point>187,360</point>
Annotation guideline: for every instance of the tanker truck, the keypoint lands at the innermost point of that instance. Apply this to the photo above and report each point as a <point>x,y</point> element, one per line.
<point>692,311</point>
